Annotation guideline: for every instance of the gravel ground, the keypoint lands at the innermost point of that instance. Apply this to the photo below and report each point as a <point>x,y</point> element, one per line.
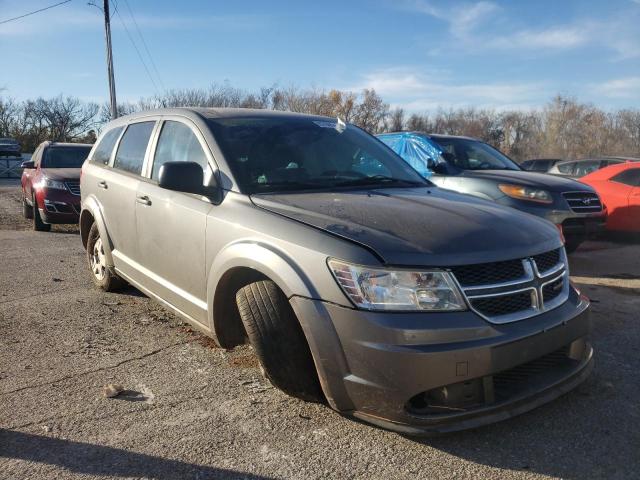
<point>193,411</point>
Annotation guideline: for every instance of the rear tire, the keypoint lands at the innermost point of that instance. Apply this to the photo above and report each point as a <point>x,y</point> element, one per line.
<point>278,340</point>
<point>27,211</point>
<point>38,224</point>
<point>102,274</point>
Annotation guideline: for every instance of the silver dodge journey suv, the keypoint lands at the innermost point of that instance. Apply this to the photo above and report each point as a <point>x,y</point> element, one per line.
<point>357,282</point>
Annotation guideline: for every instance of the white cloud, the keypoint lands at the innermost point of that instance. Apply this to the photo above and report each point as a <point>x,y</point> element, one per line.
<point>486,26</point>
<point>462,19</point>
<point>552,38</point>
<point>414,91</point>
<point>628,87</point>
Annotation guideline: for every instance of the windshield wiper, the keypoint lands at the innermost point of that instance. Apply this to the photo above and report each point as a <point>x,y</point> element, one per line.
<point>377,180</point>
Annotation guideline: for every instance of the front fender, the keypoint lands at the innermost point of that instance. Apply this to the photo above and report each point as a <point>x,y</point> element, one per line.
<point>264,258</point>
<point>90,205</point>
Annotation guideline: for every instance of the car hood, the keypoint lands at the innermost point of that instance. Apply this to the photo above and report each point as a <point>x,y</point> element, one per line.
<point>62,173</point>
<point>419,226</point>
<point>529,179</point>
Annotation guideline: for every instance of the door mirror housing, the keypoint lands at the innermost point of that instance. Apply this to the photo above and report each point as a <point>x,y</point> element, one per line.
<point>440,168</point>
<point>186,177</point>
<point>29,164</point>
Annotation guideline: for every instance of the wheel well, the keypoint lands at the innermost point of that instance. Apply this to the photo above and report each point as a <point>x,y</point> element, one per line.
<point>226,318</point>
<point>86,220</point>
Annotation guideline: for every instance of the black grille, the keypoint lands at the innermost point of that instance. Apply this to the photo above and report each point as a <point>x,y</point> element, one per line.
<point>546,261</point>
<point>508,382</point>
<point>503,304</point>
<point>552,290</point>
<point>488,273</point>
<point>73,186</point>
<point>583,202</point>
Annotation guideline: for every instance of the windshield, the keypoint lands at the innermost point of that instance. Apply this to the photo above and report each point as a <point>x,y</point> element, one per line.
<point>65,157</point>
<point>8,141</point>
<point>468,154</point>
<point>271,154</point>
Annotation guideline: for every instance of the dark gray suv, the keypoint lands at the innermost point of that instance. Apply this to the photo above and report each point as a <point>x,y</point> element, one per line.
<point>467,165</point>
<point>357,282</point>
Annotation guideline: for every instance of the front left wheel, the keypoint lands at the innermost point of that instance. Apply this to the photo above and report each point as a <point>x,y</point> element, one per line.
<point>27,210</point>
<point>102,274</point>
<point>278,340</point>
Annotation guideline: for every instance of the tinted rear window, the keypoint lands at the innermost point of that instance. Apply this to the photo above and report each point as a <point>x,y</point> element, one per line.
<point>102,153</point>
<point>133,146</point>
<point>64,157</point>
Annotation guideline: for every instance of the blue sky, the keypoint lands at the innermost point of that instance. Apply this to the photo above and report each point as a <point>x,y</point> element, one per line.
<point>418,54</point>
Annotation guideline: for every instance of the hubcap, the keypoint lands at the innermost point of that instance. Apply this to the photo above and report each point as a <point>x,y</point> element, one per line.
<point>98,261</point>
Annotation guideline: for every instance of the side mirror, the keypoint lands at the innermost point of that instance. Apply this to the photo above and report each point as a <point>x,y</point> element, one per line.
<point>440,169</point>
<point>184,177</point>
<point>29,164</point>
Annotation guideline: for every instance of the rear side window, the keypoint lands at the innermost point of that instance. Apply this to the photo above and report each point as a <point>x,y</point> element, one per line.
<point>133,146</point>
<point>178,143</point>
<point>629,177</point>
<point>585,168</point>
<point>566,168</point>
<point>102,153</point>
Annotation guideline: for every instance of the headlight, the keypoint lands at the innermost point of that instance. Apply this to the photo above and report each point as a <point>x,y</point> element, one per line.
<point>383,289</point>
<point>525,193</point>
<point>48,183</point>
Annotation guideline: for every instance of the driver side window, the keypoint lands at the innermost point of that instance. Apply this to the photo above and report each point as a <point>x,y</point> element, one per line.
<point>178,143</point>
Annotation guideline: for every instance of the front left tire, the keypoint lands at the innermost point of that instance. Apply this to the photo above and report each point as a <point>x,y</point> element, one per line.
<point>38,224</point>
<point>278,340</point>
<point>27,210</point>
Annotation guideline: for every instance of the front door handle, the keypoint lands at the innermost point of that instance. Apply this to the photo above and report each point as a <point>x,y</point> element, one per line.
<point>144,200</point>
<point>102,184</point>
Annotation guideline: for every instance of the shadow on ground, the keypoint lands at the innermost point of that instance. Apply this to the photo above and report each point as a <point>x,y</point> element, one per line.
<point>88,459</point>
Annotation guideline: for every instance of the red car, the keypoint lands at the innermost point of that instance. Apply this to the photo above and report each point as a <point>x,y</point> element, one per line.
<point>619,190</point>
<point>51,184</point>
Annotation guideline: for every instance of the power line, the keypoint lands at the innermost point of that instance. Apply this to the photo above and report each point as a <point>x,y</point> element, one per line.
<point>117,11</point>
<point>144,44</point>
<point>34,12</point>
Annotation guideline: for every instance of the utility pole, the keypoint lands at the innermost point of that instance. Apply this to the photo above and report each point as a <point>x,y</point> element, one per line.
<point>112,82</point>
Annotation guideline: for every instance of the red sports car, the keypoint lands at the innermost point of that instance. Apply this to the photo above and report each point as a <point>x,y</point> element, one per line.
<point>619,190</point>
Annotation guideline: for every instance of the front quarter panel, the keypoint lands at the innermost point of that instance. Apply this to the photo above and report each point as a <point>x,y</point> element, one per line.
<point>294,255</point>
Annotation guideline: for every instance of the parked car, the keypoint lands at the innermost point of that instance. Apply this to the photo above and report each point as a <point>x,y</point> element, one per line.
<point>580,168</point>
<point>539,164</point>
<point>357,282</point>
<point>619,189</point>
<point>51,184</point>
<point>10,148</point>
<point>470,166</point>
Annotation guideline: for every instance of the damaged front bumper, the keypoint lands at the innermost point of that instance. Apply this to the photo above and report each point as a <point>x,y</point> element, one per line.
<point>425,373</point>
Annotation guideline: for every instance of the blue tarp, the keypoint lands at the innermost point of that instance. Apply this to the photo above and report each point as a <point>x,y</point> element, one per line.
<point>415,149</point>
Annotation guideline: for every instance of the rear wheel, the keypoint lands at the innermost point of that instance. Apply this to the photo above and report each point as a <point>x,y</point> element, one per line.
<point>278,340</point>
<point>102,275</point>
<point>38,224</point>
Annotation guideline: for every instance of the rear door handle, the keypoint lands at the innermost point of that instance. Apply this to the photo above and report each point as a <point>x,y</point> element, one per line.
<point>144,200</point>
<point>102,184</point>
